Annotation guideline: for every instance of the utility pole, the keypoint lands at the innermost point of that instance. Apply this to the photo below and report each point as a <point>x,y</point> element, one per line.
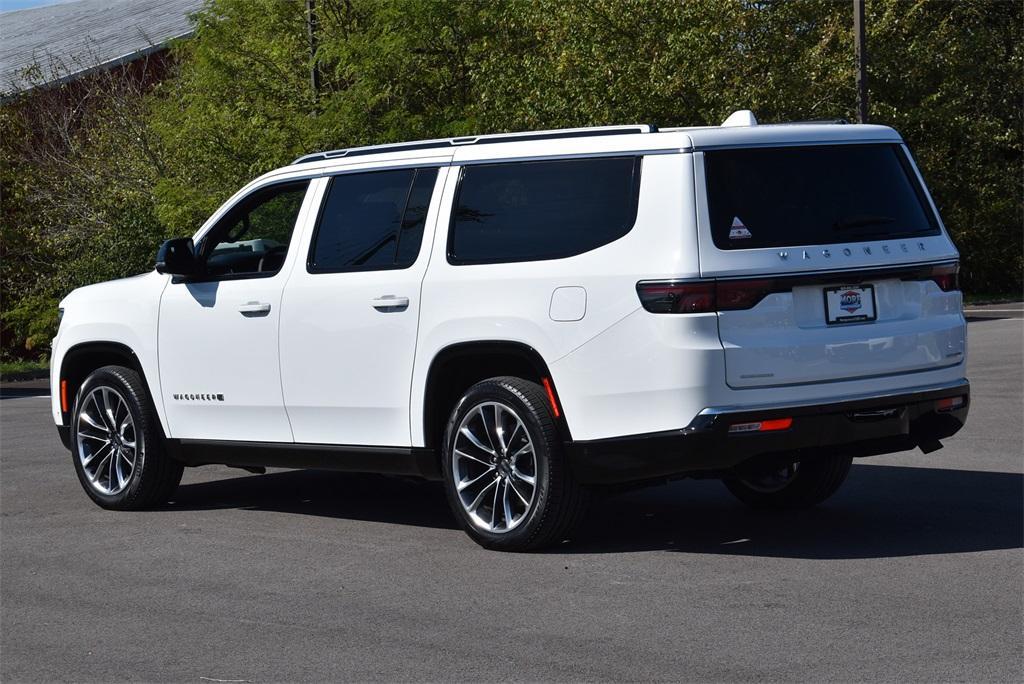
<point>860,47</point>
<point>311,28</point>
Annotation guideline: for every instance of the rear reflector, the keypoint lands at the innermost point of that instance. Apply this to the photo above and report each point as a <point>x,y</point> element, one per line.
<point>551,396</point>
<point>763,425</point>
<point>949,403</point>
<point>64,396</point>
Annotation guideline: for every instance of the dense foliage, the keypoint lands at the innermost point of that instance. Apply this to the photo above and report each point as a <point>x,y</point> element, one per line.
<point>949,76</point>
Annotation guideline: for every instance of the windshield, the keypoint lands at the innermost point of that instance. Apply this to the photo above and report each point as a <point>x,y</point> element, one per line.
<point>785,196</point>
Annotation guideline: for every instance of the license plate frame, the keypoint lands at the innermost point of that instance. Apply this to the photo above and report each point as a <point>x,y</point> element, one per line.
<point>840,301</point>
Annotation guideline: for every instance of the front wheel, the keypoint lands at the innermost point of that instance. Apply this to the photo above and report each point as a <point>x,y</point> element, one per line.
<point>795,485</point>
<point>505,472</point>
<point>117,444</point>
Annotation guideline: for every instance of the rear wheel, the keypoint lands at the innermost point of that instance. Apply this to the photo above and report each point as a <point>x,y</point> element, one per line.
<point>505,473</point>
<point>797,485</point>
<point>117,445</point>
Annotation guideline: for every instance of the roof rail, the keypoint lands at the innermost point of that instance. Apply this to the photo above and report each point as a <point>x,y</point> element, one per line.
<point>477,139</point>
<point>813,121</point>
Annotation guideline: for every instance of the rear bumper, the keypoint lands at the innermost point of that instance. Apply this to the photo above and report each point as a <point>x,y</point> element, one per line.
<point>859,426</point>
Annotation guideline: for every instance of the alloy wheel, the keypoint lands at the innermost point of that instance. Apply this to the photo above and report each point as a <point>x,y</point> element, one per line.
<point>108,444</point>
<point>494,467</point>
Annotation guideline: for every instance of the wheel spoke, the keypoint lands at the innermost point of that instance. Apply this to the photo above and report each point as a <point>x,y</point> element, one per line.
<point>121,479</point>
<point>463,454</point>
<point>91,422</point>
<point>506,504</point>
<point>499,428</point>
<point>523,477</point>
<point>494,505</point>
<point>480,497</point>
<point>476,442</point>
<point>528,447</point>
<point>488,428</point>
<point>96,474</point>
<point>469,483</point>
<point>92,457</point>
<point>521,497</point>
<point>98,438</point>
<point>519,425</point>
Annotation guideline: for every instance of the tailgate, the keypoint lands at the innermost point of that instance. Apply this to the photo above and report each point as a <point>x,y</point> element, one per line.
<point>902,325</point>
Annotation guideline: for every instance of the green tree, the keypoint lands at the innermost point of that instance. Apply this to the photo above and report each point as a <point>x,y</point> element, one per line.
<point>138,166</point>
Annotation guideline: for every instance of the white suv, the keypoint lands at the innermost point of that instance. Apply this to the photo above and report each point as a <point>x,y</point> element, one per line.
<point>533,317</point>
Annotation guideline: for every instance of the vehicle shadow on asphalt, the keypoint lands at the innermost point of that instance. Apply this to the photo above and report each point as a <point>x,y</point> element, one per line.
<point>881,512</point>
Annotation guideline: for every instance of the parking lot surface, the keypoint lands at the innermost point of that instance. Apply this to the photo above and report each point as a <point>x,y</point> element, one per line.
<point>913,572</point>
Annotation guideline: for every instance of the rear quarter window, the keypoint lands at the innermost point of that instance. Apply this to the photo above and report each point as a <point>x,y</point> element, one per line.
<point>530,211</point>
<point>815,195</point>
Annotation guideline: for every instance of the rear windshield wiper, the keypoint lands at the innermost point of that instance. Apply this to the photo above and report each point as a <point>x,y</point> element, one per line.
<point>861,221</point>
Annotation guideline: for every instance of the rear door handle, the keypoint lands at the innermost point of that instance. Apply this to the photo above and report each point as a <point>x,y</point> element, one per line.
<point>254,309</point>
<point>390,304</point>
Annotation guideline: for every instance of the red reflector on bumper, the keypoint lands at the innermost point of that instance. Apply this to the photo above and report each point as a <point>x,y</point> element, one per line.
<point>64,396</point>
<point>949,403</point>
<point>763,425</point>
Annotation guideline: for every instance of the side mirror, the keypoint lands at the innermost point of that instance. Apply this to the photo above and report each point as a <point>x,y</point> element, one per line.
<point>177,257</point>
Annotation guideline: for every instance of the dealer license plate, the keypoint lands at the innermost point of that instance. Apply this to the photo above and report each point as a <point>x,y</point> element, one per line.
<point>849,304</point>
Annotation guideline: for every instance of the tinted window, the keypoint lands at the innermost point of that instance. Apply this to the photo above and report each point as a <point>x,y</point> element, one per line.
<point>774,197</point>
<point>372,220</point>
<point>415,216</point>
<point>542,210</point>
<point>253,237</point>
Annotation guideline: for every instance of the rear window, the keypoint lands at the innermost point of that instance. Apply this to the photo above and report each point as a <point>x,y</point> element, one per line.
<point>780,196</point>
<point>529,211</point>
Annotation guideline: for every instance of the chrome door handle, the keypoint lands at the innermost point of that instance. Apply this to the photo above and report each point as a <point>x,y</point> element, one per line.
<point>254,309</point>
<point>390,304</point>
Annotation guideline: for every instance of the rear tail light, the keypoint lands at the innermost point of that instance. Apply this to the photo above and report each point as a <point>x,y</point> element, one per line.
<point>735,295</point>
<point>708,296</point>
<point>705,296</point>
<point>947,277</point>
<point>763,425</point>
<point>665,296</point>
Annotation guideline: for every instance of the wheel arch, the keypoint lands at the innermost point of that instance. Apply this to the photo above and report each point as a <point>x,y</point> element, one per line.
<point>457,367</point>
<point>83,358</point>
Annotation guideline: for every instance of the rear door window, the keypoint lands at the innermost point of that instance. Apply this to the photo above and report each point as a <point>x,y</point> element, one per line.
<point>817,195</point>
<point>372,221</point>
<point>530,211</point>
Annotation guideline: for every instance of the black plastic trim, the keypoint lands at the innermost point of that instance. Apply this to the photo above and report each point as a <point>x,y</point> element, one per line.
<point>64,432</point>
<point>706,447</point>
<point>414,461</point>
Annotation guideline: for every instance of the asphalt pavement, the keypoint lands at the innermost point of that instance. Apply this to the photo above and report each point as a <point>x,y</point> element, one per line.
<point>912,572</point>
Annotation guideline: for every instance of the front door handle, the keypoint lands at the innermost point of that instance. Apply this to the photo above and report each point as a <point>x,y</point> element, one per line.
<point>254,309</point>
<point>390,304</point>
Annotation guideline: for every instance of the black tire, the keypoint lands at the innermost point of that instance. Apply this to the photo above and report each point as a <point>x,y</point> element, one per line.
<point>813,480</point>
<point>558,501</point>
<point>155,475</point>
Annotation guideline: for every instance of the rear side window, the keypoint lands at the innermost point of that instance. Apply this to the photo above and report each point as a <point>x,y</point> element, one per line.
<point>529,211</point>
<point>372,221</point>
<point>783,196</point>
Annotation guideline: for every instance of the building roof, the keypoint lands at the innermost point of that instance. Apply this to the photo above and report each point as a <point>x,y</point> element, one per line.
<point>86,34</point>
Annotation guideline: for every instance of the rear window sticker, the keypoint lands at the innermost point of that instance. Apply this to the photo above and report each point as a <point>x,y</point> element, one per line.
<point>738,231</point>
